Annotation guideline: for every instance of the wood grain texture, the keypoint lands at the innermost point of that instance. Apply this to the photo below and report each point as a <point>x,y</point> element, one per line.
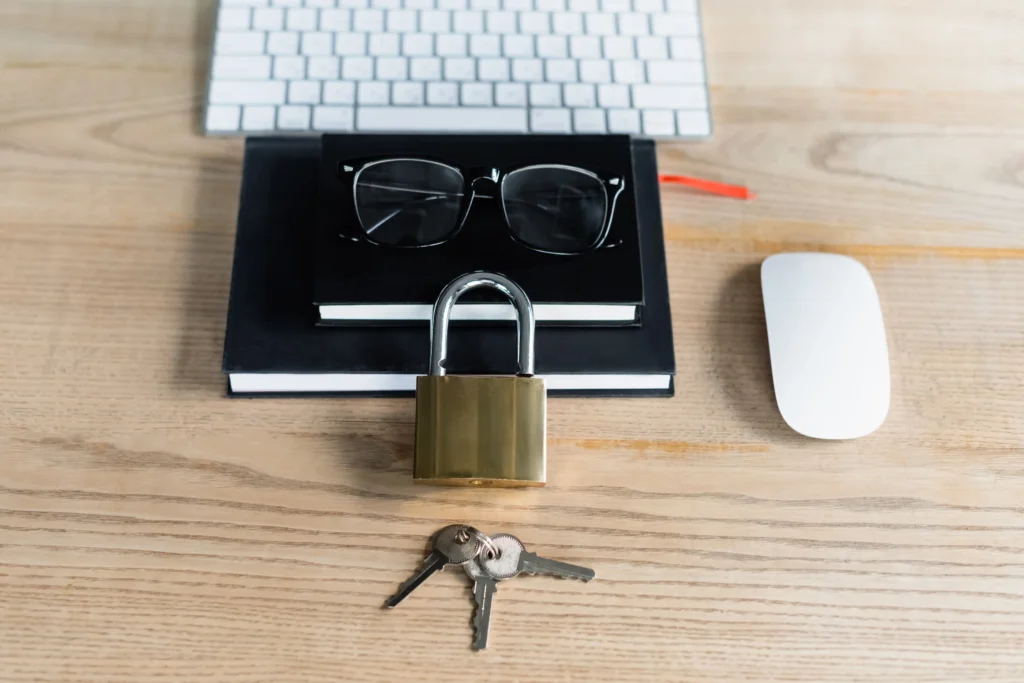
<point>150,529</point>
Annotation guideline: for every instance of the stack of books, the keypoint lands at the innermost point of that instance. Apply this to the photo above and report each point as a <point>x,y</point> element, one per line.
<point>313,311</point>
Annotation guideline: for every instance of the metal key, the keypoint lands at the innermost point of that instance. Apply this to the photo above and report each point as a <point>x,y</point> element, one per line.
<point>484,588</point>
<point>515,559</point>
<point>454,544</point>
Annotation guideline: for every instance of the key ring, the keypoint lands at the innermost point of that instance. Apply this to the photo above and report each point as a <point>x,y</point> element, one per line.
<point>463,536</point>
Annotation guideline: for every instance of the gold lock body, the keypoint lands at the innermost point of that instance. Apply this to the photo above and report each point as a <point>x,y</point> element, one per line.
<point>481,431</point>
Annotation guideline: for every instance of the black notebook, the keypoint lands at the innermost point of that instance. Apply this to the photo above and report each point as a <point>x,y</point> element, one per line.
<point>360,282</point>
<point>273,345</point>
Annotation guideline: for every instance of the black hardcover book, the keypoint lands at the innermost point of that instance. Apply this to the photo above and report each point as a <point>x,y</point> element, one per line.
<point>357,282</point>
<point>274,347</point>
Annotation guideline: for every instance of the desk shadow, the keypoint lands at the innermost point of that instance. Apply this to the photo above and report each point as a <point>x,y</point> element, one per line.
<point>741,357</point>
<point>208,277</point>
<point>202,53</point>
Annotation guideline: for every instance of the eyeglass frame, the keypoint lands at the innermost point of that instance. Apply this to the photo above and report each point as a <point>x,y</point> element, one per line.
<point>613,185</point>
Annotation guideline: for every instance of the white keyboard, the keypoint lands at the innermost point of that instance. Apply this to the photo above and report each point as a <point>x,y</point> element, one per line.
<point>526,66</point>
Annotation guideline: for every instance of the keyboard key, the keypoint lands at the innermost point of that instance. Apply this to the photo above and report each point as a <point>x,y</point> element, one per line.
<point>223,118</point>
<point>484,45</point>
<point>371,92</point>
<point>450,45</point>
<point>283,43</point>
<point>368,20</point>
<point>357,68</point>
<point>231,19</point>
<point>354,4</point>
<point>425,69</point>
<point>615,6</point>
<point>231,67</point>
<point>527,70</point>
<point>675,24</point>
<point>334,118</point>
<point>550,5</point>
<point>651,47</point>
<point>609,96</point>
<point>459,69</point>
<point>628,71</point>
<point>384,44</point>
<point>684,6</point>
<point>392,69</point>
<point>339,92</point>
<point>442,119</point>
<point>552,47</point>
<point>599,24</point>
<point>247,92</point>
<point>623,121</point>
<point>386,4</point>
<point>485,4</point>
<point>632,24</point>
<point>293,118</point>
<point>584,47</point>
<point>517,46</point>
<point>435,21</point>
<point>406,93</point>
<point>550,121</point>
<point>401,21</point>
<point>693,123</point>
<point>442,93</point>
<point>582,5</point>
<point>669,97</point>
<point>649,6</point>
<point>517,5</point>
<point>335,20</point>
<point>417,45</point>
<point>595,71</point>
<point>663,71</point>
<point>579,95</point>
<point>258,118</point>
<point>618,47</point>
<point>561,70</point>
<point>240,43</point>
<point>419,4</point>
<point>659,123</point>
<point>510,94</point>
<point>317,43</point>
<point>476,95</point>
<point>501,22</point>
<point>468,21</point>
<point>567,23</point>
<point>321,3</point>
<point>536,23</point>
<point>451,4</point>
<point>266,19</point>
<point>304,92</point>
<point>588,121</point>
<point>353,44</point>
<point>685,48</point>
<point>545,95</point>
<point>289,68</point>
<point>493,69</point>
<point>300,19</point>
<point>286,3</point>
<point>323,68</point>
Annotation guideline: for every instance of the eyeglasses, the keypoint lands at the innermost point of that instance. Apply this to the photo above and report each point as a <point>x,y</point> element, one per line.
<point>550,208</point>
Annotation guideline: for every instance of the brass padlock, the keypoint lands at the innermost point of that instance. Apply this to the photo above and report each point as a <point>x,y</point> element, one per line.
<point>474,430</point>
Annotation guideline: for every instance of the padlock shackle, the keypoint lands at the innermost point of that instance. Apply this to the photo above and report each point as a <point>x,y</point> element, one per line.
<point>525,322</point>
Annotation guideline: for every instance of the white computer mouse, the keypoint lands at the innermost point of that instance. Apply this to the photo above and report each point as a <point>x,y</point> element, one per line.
<point>830,360</point>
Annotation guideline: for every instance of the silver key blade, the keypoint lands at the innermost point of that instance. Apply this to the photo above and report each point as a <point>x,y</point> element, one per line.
<point>530,563</point>
<point>483,592</point>
<point>435,561</point>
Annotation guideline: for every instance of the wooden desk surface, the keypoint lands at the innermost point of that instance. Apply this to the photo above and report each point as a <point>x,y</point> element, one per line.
<point>151,529</point>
